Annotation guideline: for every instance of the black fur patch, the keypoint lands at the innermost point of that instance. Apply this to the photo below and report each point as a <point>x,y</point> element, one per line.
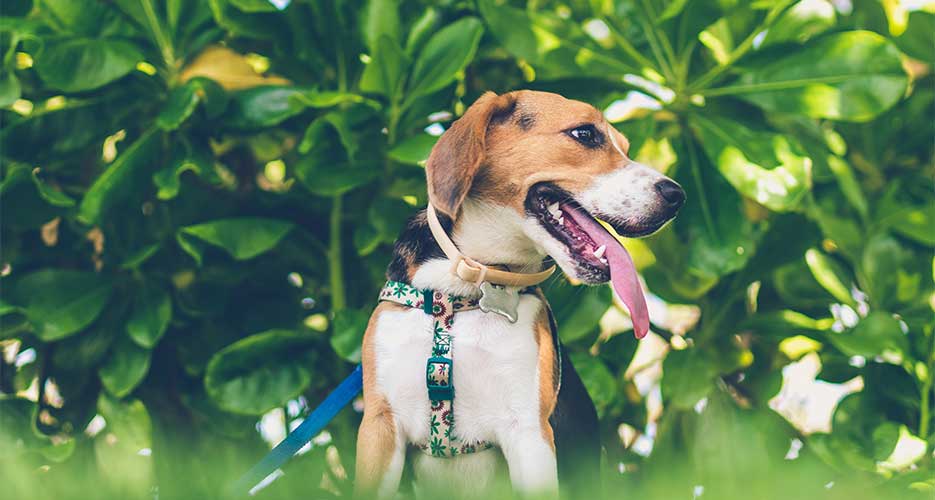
<point>526,121</point>
<point>414,246</point>
<point>503,114</point>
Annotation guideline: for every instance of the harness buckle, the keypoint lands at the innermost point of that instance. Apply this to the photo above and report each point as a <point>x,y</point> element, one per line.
<point>438,379</point>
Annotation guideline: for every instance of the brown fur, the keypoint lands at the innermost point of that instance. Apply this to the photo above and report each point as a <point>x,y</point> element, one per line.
<point>548,360</point>
<point>516,153</point>
<point>376,438</point>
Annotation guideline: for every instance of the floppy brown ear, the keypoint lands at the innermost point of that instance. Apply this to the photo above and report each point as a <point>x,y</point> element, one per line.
<point>459,153</point>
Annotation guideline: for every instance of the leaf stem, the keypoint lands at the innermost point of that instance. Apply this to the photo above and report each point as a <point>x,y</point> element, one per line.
<point>165,45</point>
<point>925,399</point>
<point>335,264</point>
<point>740,51</point>
<point>628,47</point>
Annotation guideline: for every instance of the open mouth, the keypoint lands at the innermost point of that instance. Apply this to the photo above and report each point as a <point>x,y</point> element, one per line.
<point>597,254</point>
<point>559,215</point>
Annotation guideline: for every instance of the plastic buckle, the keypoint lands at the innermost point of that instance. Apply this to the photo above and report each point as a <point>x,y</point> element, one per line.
<point>439,392</point>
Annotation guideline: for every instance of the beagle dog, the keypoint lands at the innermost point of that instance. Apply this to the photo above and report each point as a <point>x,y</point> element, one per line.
<point>516,183</point>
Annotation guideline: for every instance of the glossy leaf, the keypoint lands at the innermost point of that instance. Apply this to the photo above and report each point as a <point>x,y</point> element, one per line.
<point>762,166</point>
<point>150,316</point>
<point>879,334</point>
<point>349,327</point>
<point>258,372</point>
<point>387,69</point>
<point>444,56</point>
<point>688,376</point>
<point>125,367</point>
<point>851,76</point>
<point>243,237</point>
<point>60,303</point>
<point>413,150</point>
<point>79,64</point>
<point>600,383</point>
<point>801,22</point>
<point>122,179</point>
<point>117,449</point>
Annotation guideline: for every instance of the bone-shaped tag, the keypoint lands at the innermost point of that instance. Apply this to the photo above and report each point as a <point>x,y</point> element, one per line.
<point>500,299</point>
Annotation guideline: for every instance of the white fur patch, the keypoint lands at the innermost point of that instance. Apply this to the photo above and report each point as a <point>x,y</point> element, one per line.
<point>496,380</point>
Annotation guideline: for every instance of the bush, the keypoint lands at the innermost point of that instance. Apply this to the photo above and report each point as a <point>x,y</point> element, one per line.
<point>200,199</point>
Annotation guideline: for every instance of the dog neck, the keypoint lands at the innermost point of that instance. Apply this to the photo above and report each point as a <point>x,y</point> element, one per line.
<point>488,233</point>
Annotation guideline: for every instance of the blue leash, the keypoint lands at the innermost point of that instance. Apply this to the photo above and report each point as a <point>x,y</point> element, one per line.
<point>309,428</point>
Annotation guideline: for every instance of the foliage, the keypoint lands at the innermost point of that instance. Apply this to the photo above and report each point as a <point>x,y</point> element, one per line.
<point>199,202</point>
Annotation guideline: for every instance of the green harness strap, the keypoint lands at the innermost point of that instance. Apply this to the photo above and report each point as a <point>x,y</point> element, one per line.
<point>441,308</point>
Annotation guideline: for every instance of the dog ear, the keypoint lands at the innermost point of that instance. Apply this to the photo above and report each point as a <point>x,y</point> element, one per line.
<point>459,153</point>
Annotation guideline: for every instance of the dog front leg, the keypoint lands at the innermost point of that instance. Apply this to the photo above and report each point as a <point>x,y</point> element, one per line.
<point>381,455</point>
<point>530,457</point>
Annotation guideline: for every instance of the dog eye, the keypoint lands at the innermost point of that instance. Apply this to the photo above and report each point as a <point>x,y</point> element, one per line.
<point>587,135</point>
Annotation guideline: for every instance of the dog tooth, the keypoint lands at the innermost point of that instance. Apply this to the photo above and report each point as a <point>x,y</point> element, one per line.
<point>553,207</point>
<point>561,220</point>
<point>603,260</point>
<point>600,251</point>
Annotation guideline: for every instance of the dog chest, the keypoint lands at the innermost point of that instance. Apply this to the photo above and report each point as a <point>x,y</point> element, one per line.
<point>495,372</point>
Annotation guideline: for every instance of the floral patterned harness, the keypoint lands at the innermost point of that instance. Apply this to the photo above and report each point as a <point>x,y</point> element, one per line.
<point>443,443</point>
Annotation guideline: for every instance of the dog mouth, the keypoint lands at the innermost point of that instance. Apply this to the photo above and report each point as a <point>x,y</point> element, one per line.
<point>598,255</point>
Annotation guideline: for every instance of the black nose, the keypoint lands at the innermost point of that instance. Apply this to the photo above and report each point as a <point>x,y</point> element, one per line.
<point>671,192</point>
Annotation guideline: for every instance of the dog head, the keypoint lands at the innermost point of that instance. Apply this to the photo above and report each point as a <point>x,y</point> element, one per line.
<point>559,165</point>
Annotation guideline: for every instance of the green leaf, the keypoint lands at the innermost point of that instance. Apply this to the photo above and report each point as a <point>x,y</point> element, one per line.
<point>881,263</point>
<point>787,323</point>
<point>386,70</point>
<point>122,179</point>
<point>349,326</point>
<point>150,316</point>
<point>183,101</point>
<point>381,20</point>
<point>60,303</point>
<point>919,38</point>
<point>125,368</point>
<point>848,183</point>
<point>79,64</point>
<point>414,150</point>
<point>254,5</point>
<point>445,55</point>
<point>262,107</point>
<point>851,76</point>
<point>688,376</point>
<point>168,179</point>
<point>259,372</point>
<point>366,239</point>
<point>830,275</point>
<point>761,165</point>
<point>801,22</point>
<point>555,46</point>
<point>327,99</point>
<point>879,334</point>
<point>242,237</point>
<point>180,105</point>
<point>55,197</point>
<point>711,236</point>
<point>10,89</point>
<point>598,380</point>
<point>916,223</point>
<point>18,432</point>
<point>117,448</point>
<point>577,309</point>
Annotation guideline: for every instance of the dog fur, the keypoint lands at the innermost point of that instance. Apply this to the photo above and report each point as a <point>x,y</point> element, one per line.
<point>514,389</point>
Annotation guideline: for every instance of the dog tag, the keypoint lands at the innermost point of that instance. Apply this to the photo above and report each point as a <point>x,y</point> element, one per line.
<point>500,299</point>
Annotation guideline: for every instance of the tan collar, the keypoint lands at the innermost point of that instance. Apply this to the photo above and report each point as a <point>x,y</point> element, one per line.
<point>472,271</point>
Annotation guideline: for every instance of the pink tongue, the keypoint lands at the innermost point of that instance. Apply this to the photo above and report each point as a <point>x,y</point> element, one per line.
<point>622,271</point>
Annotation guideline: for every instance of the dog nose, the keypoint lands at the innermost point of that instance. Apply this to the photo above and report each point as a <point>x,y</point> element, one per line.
<point>671,192</point>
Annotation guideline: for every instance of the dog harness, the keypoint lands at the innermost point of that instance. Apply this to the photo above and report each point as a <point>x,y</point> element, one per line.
<point>441,307</point>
